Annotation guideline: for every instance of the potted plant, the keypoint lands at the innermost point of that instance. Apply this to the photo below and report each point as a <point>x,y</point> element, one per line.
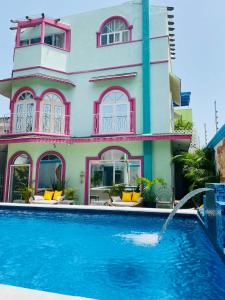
<point>70,194</point>
<point>116,190</point>
<point>146,187</point>
<point>26,192</point>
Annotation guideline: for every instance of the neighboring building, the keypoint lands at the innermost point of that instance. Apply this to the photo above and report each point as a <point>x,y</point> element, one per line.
<point>92,100</point>
<point>4,125</point>
<point>218,144</point>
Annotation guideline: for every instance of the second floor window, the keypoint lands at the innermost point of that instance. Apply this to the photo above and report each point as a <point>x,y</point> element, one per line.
<point>24,113</point>
<point>115,31</point>
<point>52,114</point>
<point>30,35</point>
<point>114,115</point>
<point>54,37</point>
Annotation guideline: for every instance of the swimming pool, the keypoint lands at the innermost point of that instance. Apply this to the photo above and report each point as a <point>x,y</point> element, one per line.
<point>88,254</point>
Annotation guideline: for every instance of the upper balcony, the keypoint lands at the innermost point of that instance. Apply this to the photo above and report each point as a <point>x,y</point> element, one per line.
<point>42,42</point>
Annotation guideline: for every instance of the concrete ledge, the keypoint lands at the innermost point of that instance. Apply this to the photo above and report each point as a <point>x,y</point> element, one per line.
<point>8,292</point>
<point>98,208</point>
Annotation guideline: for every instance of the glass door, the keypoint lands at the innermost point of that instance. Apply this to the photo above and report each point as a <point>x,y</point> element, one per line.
<point>19,181</point>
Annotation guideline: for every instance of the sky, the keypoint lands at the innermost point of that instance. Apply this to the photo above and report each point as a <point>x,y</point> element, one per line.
<point>200,48</point>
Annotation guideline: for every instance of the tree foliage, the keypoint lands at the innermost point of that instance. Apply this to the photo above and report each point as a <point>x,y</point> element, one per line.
<point>181,124</point>
<point>198,167</point>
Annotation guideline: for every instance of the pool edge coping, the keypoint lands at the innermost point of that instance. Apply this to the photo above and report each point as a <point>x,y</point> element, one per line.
<point>136,210</point>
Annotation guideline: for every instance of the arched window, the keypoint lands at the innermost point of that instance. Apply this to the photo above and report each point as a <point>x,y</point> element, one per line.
<point>114,30</point>
<point>115,113</point>
<point>51,170</point>
<point>20,167</point>
<point>114,165</point>
<point>52,114</point>
<point>24,112</point>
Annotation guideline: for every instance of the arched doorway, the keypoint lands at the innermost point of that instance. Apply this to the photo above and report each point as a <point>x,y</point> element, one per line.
<point>113,165</point>
<point>19,176</point>
<point>50,171</point>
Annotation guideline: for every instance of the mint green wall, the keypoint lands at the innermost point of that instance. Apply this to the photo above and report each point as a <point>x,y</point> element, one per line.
<point>162,156</point>
<point>75,158</point>
<point>83,46</point>
<point>85,55</point>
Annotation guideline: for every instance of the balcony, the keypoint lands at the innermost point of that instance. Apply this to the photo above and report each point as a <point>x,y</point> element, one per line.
<point>40,55</point>
<point>42,42</point>
<point>23,124</point>
<point>113,125</point>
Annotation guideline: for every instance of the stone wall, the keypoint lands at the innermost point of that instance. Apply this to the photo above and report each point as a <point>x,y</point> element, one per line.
<point>221,160</point>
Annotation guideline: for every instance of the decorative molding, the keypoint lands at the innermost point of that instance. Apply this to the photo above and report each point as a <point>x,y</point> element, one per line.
<point>53,139</point>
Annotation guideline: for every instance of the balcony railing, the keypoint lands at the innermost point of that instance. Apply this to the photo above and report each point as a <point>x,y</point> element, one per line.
<point>47,123</point>
<point>108,124</point>
<point>183,131</point>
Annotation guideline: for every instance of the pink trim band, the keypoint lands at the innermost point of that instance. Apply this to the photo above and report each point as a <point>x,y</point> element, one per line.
<point>41,76</point>
<point>88,71</point>
<point>63,140</point>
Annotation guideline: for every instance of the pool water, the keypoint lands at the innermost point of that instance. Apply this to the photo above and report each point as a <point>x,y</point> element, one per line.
<point>93,255</point>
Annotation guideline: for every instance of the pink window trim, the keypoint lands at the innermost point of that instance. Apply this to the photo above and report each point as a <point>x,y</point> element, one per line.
<point>8,172</point>
<point>98,33</point>
<point>96,110</point>
<point>38,105</point>
<point>43,22</point>
<point>13,102</point>
<point>98,157</point>
<point>66,104</point>
<point>57,154</point>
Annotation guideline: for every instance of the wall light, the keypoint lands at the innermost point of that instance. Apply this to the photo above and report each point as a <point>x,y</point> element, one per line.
<point>82,177</point>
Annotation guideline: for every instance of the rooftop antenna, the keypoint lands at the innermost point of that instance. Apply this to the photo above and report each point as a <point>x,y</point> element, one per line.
<point>206,136</point>
<point>216,116</point>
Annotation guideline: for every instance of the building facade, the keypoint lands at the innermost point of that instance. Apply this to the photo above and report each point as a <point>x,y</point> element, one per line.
<point>92,100</point>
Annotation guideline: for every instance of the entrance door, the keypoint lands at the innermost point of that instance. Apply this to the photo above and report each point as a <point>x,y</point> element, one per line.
<point>19,181</point>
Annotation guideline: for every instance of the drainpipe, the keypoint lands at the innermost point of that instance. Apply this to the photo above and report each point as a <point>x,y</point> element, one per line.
<point>146,87</point>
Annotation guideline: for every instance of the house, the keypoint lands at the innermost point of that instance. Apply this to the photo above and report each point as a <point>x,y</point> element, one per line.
<point>92,100</point>
<point>218,144</point>
<point>4,124</point>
